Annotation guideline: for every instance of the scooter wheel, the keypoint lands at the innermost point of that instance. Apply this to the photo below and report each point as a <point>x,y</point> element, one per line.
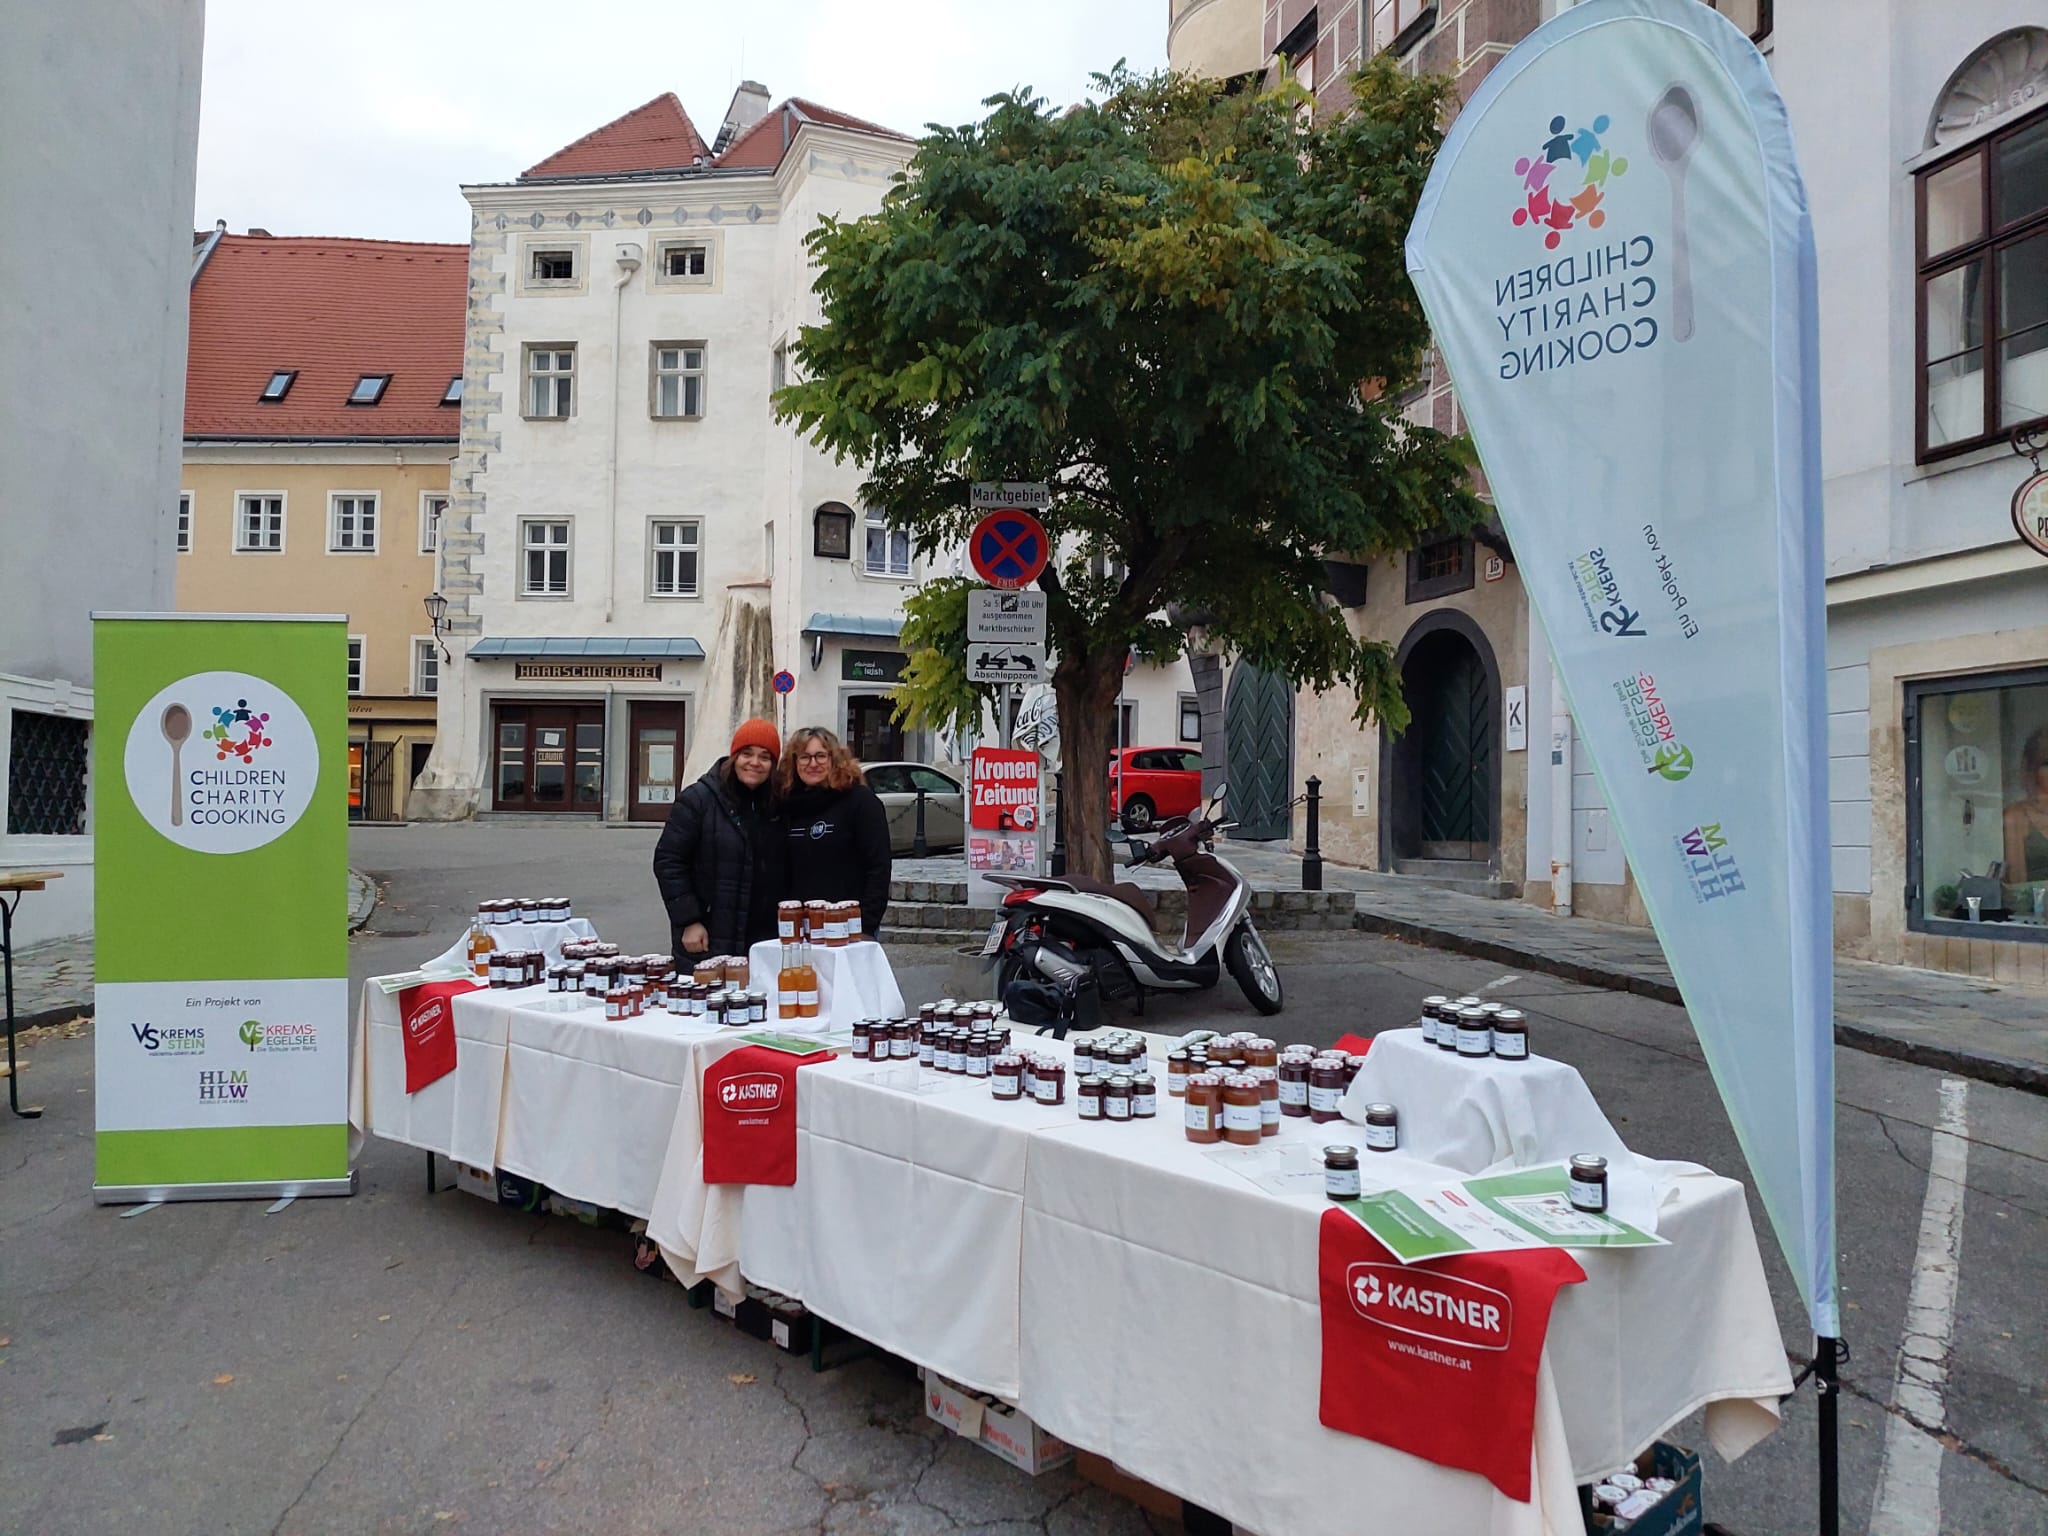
<point>1253,969</point>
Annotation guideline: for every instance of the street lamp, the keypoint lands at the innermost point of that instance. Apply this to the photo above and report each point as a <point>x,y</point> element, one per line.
<point>437,615</point>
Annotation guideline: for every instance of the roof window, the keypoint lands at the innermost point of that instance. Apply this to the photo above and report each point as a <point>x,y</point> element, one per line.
<point>453,394</point>
<point>369,389</point>
<point>280,383</point>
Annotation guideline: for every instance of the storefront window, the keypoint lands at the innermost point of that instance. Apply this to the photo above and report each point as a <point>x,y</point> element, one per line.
<point>1978,803</point>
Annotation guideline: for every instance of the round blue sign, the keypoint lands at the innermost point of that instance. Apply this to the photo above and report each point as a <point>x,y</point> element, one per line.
<point>785,682</point>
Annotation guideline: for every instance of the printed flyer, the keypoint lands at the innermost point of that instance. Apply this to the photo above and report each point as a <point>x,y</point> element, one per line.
<point>1529,1208</point>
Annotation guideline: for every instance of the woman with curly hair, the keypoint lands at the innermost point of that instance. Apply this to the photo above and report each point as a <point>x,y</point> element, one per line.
<point>838,828</point>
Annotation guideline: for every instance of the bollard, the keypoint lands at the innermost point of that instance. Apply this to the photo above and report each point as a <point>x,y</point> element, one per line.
<point>1056,860</point>
<point>1311,846</point>
<point>919,848</point>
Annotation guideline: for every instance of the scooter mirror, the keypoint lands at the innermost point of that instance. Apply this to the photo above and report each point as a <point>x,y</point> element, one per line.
<point>1217,798</point>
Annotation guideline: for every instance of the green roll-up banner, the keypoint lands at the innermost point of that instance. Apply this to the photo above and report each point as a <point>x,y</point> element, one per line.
<point>220,825</point>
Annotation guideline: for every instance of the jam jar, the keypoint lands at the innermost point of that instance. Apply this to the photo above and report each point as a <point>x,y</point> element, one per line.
<point>1052,1082</point>
<point>1176,1073</point>
<point>901,1046</point>
<point>977,1054</point>
<point>1241,1126</point>
<point>1294,1070</point>
<point>1006,1078</point>
<point>1511,1035</point>
<point>1588,1184</point>
<point>1325,1090</point>
<point>1268,1079</point>
<point>1203,1107</point>
<point>863,1040</point>
<point>927,1043</point>
<point>1475,1032</point>
<point>1340,1173</point>
<point>1088,1097</point>
<point>1144,1097</point>
<point>1084,1055</point>
<point>1382,1128</point>
<point>789,922</point>
<point>1427,1017</point>
<point>1116,1097</point>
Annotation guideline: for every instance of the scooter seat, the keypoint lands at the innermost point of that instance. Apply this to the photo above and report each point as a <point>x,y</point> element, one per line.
<point>1124,891</point>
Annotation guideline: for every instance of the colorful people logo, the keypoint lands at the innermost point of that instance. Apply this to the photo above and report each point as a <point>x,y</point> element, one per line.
<point>237,732</point>
<point>1550,201</point>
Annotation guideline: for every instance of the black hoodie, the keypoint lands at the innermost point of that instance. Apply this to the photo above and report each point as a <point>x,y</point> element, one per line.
<point>839,849</point>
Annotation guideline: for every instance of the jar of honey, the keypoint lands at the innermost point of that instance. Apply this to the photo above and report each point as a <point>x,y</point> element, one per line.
<point>1241,1110</point>
<point>1202,1107</point>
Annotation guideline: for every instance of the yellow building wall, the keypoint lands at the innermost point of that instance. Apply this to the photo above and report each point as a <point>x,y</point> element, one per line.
<point>382,593</point>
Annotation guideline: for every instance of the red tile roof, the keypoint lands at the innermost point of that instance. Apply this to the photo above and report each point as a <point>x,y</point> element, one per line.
<point>764,143</point>
<point>333,309</point>
<point>656,137</point>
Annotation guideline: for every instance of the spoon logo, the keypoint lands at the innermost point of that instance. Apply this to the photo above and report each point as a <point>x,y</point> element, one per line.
<point>221,762</point>
<point>1565,182</point>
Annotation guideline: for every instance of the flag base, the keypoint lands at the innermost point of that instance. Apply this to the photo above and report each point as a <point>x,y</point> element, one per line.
<point>145,1194</point>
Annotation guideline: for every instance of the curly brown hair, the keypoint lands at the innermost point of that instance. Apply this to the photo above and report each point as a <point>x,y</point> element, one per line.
<point>845,770</point>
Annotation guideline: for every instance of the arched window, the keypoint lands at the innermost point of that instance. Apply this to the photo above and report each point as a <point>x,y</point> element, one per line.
<point>1983,251</point>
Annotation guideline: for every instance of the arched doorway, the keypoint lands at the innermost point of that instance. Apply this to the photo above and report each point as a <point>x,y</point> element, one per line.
<point>1440,798</point>
<point>1258,727</point>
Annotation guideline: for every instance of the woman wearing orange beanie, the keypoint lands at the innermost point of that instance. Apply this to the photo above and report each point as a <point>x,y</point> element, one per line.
<point>719,862</point>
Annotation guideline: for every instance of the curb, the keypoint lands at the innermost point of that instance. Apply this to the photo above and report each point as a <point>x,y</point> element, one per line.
<point>362,899</point>
<point>2000,1071</point>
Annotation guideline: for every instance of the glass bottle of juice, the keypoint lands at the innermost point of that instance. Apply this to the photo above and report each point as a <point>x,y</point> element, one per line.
<point>788,985</point>
<point>807,983</point>
<point>480,946</point>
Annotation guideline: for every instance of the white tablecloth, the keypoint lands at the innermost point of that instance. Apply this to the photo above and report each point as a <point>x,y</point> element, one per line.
<point>456,1115</point>
<point>855,981</point>
<point>906,1228</point>
<point>1480,1115</point>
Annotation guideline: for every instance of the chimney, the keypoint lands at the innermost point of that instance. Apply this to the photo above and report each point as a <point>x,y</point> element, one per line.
<point>749,106</point>
<point>261,234</point>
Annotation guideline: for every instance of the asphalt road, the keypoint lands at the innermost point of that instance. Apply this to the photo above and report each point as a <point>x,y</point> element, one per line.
<point>401,1362</point>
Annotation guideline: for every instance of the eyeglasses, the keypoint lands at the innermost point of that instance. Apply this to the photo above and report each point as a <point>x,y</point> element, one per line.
<point>814,757</point>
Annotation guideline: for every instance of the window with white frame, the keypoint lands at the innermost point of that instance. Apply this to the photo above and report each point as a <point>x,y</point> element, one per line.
<point>778,368</point>
<point>1190,718</point>
<point>888,549</point>
<point>683,261</point>
<point>672,557</point>
<point>356,647</point>
<point>352,523</point>
<point>550,380</point>
<point>679,380</point>
<point>259,523</point>
<point>426,668</point>
<point>184,522</point>
<point>544,557</point>
<point>433,508</point>
<point>551,264</point>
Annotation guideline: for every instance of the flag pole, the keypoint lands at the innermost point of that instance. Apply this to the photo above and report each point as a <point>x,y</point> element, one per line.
<point>1827,1382</point>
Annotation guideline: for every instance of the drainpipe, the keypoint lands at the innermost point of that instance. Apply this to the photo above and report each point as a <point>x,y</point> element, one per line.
<point>205,254</point>
<point>1560,798</point>
<point>629,263</point>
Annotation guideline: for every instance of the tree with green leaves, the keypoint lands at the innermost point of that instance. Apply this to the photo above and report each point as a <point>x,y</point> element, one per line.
<point>1186,307</point>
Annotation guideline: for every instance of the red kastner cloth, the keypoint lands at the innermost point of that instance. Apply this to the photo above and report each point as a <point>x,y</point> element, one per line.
<point>750,1116</point>
<point>426,1017</point>
<point>1438,1359</point>
<point>1352,1045</point>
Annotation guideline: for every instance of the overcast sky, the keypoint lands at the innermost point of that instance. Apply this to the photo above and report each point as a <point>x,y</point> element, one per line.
<point>363,119</point>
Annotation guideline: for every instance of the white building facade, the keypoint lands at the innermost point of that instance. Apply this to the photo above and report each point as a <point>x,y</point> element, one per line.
<point>634,546</point>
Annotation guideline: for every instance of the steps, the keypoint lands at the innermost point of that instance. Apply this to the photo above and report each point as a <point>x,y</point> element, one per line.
<point>936,912</point>
<point>1468,877</point>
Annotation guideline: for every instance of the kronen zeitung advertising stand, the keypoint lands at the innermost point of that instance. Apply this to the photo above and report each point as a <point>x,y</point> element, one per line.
<point>220,906</point>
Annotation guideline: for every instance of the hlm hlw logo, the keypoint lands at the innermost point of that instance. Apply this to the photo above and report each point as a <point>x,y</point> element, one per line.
<point>226,1087</point>
<point>1441,1308</point>
<point>753,1091</point>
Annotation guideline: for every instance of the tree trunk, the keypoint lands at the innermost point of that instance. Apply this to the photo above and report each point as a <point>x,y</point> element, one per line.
<point>1087,687</point>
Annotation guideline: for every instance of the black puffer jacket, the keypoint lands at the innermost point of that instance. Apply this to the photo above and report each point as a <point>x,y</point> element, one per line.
<point>719,862</point>
<point>839,849</point>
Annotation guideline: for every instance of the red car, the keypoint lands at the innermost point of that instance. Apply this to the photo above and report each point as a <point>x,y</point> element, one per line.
<point>1148,785</point>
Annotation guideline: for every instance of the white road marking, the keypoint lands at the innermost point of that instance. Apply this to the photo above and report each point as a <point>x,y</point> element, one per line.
<point>1500,981</point>
<point>1908,1501</point>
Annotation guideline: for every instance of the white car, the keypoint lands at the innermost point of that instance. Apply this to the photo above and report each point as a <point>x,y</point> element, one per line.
<point>945,805</point>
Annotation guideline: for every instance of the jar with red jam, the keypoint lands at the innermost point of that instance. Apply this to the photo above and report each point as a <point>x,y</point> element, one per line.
<point>1326,1090</point>
<point>1051,1078</point>
<point>1293,1070</point>
<point>1088,1097</point>
<point>1006,1078</point>
<point>1116,1097</point>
